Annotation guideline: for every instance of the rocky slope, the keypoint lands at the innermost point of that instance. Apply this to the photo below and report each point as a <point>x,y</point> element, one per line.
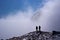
<point>37,35</point>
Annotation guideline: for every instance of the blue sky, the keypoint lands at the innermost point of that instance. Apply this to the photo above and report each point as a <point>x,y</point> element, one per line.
<point>22,10</point>
<point>7,6</point>
<point>18,17</point>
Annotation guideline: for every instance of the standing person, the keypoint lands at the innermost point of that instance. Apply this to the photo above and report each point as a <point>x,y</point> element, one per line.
<point>36,28</point>
<point>39,28</point>
<point>39,31</point>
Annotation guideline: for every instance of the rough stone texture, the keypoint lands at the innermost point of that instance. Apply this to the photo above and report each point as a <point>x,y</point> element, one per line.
<point>39,35</point>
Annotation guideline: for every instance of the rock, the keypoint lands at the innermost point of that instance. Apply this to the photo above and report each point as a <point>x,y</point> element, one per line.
<point>40,35</point>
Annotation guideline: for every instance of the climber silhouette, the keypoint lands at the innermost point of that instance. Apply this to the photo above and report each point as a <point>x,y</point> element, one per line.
<point>39,28</point>
<point>36,28</point>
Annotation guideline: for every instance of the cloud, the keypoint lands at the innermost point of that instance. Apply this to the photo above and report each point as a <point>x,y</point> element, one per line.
<point>16,25</point>
<point>24,22</point>
<point>48,16</point>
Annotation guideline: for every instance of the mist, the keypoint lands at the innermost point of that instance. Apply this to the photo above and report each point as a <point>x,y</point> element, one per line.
<point>48,17</point>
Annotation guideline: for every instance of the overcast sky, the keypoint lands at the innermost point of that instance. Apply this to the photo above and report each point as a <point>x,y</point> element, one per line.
<point>18,17</point>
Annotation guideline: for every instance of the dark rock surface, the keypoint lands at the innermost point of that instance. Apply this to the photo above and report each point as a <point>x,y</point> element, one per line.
<point>39,35</point>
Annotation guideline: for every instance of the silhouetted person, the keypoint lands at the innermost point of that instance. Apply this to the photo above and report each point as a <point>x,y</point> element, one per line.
<point>39,28</point>
<point>36,29</point>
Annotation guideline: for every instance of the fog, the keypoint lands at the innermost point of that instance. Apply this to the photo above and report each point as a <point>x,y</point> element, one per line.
<point>48,17</point>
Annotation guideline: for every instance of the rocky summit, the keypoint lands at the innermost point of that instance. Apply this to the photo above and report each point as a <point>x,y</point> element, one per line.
<point>38,35</point>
